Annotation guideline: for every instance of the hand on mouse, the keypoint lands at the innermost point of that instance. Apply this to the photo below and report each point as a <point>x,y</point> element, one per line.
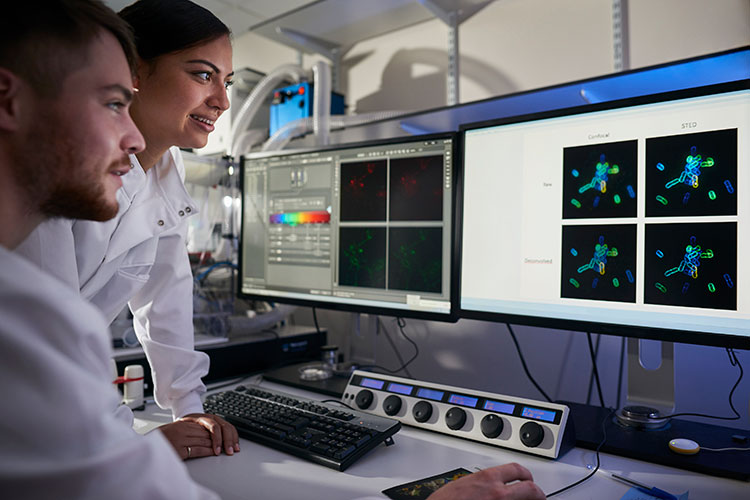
<point>504,482</point>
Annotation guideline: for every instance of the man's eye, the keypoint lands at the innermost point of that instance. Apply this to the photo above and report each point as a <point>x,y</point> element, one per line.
<point>116,106</point>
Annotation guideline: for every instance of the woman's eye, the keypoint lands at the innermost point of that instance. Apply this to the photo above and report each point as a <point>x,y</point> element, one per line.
<point>228,84</point>
<point>204,75</point>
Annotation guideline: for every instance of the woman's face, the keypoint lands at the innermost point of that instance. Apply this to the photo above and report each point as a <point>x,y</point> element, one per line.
<point>181,95</point>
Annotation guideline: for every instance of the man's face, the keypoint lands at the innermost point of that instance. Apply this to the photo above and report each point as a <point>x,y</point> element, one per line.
<point>77,147</point>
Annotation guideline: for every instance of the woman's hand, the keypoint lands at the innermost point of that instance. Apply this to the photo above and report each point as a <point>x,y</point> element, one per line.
<point>201,435</point>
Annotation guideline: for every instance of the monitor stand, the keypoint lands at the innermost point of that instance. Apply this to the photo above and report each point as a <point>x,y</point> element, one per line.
<point>650,391</point>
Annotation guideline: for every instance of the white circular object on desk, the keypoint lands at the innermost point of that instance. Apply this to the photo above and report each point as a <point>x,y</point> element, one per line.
<point>684,446</point>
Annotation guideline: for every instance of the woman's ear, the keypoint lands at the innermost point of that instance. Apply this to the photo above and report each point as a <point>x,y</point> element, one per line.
<point>10,100</point>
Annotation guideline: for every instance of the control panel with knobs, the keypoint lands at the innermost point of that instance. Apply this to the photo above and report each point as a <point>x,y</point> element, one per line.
<point>535,427</point>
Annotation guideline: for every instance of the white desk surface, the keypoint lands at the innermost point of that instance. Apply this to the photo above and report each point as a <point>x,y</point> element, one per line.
<point>258,472</point>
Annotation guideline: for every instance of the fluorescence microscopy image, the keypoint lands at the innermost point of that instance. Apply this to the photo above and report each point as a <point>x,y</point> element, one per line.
<point>598,262</point>
<point>363,191</point>
<point>416,189</point>
<point>692,265</point>
<point>362,256</point>
<point>415,259</point>
<point>600,180</point>
<point>692,174</point>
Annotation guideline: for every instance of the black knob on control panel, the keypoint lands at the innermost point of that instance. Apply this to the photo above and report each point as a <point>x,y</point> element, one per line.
<point>532,434</point>
<point>392,405</point>
<point>422,411</point>
<point>492,426</point>
<point>364,399</point>
<point>455,418</point>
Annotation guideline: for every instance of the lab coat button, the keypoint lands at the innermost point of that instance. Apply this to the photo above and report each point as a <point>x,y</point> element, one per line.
<point>188,209</point>
<point>161,222</point>
<point>181,213</point>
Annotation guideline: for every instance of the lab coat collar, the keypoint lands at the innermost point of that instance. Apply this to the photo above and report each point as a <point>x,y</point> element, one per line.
<point>151,203</point>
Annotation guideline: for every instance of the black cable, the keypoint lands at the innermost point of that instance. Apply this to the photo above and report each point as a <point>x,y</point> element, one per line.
<point>595,369</point>
<point>393,346</point>
<point>338,402</point>
<point>734,361</point>
<point>523,363</point>
<point>315,319</point>
<point>401,324</point>
<point>598,462</point>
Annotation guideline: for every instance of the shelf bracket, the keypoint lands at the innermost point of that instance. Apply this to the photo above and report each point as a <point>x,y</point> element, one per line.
<point>453,19</point>
<point>331,51</point>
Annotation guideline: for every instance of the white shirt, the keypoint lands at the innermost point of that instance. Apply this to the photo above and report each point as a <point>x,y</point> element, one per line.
<point>59,437</point>
<point>138,258</point>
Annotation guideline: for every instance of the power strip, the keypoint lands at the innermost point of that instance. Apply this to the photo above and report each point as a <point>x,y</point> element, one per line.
<point>520,424</point>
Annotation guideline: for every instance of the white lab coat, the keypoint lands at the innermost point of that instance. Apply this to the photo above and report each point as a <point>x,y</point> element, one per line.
<point>59,437</point>
<point>138,258</point>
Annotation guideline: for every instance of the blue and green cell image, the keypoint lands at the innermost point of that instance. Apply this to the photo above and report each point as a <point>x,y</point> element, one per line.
<point>362,261</point>
<point>598,262</point>
<point>692,174</point>
<point>600,180</point>
<point>691,265</point>
<point>415,259</point>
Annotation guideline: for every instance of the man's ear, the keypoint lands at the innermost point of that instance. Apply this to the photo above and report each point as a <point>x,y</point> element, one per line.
<point>10,105</point>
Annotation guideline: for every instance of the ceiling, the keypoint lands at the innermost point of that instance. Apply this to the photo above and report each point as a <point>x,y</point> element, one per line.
<point>239,15</point>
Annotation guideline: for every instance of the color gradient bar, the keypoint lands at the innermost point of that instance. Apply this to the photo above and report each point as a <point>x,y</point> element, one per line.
<point>296,218</point>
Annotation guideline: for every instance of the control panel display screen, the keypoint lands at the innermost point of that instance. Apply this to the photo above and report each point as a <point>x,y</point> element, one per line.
<point>372,383</point>
<point>463,400</point>
<point>499,407</point>
<point>538,414</point>
<point>430,394</point>
<point>400,388</point>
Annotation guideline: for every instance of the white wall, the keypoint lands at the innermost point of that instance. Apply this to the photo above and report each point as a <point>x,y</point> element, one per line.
<point>510,46</point>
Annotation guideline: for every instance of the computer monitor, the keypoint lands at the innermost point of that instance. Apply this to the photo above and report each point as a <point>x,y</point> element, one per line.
<point>366,227</point>
<point>628,217</point>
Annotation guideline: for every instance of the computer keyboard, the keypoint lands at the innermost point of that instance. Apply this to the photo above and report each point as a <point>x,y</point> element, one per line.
<point>323,433</point>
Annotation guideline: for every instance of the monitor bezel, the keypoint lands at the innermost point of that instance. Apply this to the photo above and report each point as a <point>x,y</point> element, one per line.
<point>455,258</point>
<point>645,332</point>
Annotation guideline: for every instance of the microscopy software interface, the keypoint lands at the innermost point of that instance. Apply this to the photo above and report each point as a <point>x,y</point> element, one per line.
<point>635,215</point>
<point>367,225</point>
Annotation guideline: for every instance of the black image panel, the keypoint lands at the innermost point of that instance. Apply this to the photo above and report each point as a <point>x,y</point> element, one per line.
<point>598,262</point>
<point>362,257</point>
<point>363,191</point>
<point>691,265</point>
<point>416,189</point>
<point>415,259</point>
<point>692,174</point>
<point>600,180</point>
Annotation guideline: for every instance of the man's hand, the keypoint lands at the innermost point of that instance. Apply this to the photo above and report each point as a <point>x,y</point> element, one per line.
<point>201,435</point>
<point>504,482</point>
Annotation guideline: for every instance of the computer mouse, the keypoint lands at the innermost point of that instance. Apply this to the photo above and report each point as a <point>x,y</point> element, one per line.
<point>684,446</point>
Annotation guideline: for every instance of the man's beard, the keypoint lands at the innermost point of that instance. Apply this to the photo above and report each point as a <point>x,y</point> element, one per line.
<point>49,169</point>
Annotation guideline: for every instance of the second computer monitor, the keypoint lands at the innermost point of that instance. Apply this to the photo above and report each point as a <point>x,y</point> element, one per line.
<point>365,227</point>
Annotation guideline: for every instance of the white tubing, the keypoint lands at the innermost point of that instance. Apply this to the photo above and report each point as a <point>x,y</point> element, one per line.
<point>251,105</point>
<point>321,102</point>
<point>304,125</point>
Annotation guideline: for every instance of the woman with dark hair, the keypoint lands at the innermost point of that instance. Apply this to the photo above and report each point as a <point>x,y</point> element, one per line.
<point>140,258</point>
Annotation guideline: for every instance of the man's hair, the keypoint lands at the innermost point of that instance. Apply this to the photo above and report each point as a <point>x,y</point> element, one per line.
<point>165,26</point>
<point>44,41</point>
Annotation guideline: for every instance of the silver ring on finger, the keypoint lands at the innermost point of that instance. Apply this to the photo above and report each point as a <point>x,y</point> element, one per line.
<point>190,452</point>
